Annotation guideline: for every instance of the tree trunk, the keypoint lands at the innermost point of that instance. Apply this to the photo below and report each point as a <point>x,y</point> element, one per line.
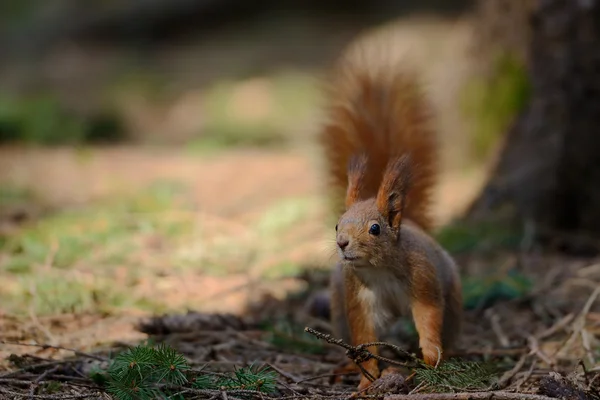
<point>548,173</point>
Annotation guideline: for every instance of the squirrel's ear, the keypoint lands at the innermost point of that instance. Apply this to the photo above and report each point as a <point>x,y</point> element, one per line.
<point>391,198</point>
<point>357,169</point>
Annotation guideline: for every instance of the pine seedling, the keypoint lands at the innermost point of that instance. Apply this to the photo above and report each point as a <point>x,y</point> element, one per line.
<point>172,366</point>
<point>247,378</point>
<point>140,372</point>
<point>261,379</point>
<point>146,372</point>
<point>456,375</point>
<point>204,382</point>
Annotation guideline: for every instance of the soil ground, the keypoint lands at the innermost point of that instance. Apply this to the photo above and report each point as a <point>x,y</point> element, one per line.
<point>225,202</point>
<point>227,249</point>
<point>549,328</point>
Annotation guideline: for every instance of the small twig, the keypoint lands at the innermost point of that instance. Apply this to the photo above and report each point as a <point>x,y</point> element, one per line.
<point>418,388</point>
<point>58,377</point>
<point>360,354</point>
<point>388,360</point>
<point>48,346</point>
<point>526,376</point>
<point>284,373</point>
<point>585,372</point>
<point>535,349</point>
<point>587,346</point>
<point>36,383</point>
<point>560,324</point>
<point>399,350</point>
<point>491,352</point>
<point>580,322</point>
<point>329,338</point>
<point>593,380</point>
<point>42,396</point>
<point>365,372</point>
<point>35,366</point>
<point>16,382</point>
<point>312,378</point>
<point>439,358</point>
<point>499,395</point>
<point>497,328</point>
<point>45,374</point>
<point>39,325</point>
<point>504,379</point>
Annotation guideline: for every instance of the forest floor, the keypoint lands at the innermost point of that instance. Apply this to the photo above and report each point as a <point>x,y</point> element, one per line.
<point>223,255</point>
<point>105,248</point>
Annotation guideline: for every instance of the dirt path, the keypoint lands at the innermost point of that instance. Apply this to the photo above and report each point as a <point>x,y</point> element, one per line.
<point>253,210</point>
<point>230,185</point>
<point>232,192</point>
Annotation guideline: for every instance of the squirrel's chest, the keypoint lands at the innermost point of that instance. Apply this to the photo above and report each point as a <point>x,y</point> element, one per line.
<point>386,295</point>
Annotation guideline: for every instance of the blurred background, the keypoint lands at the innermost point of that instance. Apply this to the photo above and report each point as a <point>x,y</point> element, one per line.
<point>159,155</point>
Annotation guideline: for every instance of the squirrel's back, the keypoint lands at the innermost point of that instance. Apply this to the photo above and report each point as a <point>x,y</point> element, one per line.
<point>380,111</point>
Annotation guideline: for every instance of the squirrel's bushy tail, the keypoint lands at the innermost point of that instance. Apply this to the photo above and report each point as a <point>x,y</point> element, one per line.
<point>382,113</point>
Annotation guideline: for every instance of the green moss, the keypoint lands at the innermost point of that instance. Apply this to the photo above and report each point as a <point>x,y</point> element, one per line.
<point>491,103</point>
<point>287,335</point>
<point>69,261</point>
<point>42,119</point>
<point>11,195</point>
<point>284,269</point>
<point>283,215</point>
<point>263,112</point>
<point>483,292</point>
<point>482,236</point>
<point>13,12</point>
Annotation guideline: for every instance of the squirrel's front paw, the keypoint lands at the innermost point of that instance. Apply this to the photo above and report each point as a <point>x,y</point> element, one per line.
<point>364,383</point>
<point>371,367</point>
<point>432,354</point>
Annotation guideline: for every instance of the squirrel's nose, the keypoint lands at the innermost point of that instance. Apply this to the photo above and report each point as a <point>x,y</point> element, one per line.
<point>343,243</point>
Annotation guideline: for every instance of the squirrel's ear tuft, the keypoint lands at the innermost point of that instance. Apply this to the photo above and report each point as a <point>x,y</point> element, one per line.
<point>357,170</point>
<point>392,195</point>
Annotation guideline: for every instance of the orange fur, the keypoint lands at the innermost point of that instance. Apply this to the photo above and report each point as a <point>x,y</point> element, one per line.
<point>381,113</point>
<point>391,197</point>
<point>362,329</point>
<point>382,156</point>
<point>428,321</point>
<point>357,172</point>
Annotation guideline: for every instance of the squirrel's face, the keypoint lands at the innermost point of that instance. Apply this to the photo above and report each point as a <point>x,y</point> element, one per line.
<point>363,236</point>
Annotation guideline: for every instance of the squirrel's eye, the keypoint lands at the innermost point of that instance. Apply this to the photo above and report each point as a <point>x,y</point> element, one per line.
<point>336,227</point>
<point>375,229</point>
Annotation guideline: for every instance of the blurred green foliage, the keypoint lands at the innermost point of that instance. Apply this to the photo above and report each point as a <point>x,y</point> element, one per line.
<point>69,261</point>
<point>483,292</point>
<point>287,335</point>
<point>492,102</point>
<point>41,119</point>
<point>487,235</point>
<point>104,256</point>
<point>15,11</point>
<point>13,195</point>
<point>262,112</point>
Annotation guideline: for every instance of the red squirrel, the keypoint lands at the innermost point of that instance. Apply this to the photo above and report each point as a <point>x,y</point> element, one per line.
<point>382,156</point>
